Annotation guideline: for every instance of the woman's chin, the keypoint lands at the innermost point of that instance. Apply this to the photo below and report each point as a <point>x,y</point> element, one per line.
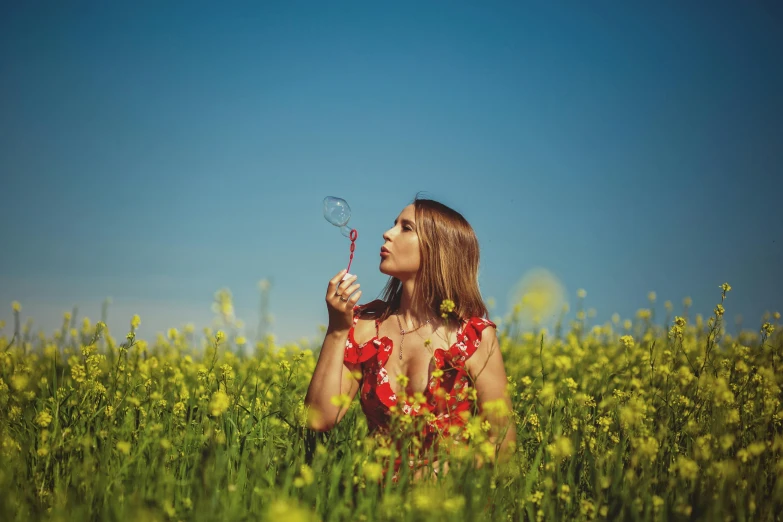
<point>385,269</point>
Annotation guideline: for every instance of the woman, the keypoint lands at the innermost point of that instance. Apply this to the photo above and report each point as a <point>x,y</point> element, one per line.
<point>425,349</point>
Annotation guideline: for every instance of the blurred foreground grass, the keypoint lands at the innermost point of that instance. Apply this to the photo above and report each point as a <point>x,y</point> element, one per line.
<point>634,421</point>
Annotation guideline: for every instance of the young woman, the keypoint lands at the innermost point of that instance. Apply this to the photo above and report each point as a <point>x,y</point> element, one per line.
<point>425,349</point>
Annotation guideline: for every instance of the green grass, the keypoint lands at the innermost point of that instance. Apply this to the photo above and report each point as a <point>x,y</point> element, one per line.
<point>646,423</point>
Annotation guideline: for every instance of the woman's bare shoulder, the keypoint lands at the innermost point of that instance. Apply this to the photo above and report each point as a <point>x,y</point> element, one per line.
<point>365,326</point>
<point>372,310</point>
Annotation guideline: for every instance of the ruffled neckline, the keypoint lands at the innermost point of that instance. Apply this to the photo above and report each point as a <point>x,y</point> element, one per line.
<point>382,347</point>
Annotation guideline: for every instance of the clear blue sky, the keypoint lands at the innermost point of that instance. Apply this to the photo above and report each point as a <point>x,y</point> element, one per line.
<point>155,152</point>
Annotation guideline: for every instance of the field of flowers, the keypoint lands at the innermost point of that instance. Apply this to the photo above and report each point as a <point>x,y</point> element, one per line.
<point>630,420</point>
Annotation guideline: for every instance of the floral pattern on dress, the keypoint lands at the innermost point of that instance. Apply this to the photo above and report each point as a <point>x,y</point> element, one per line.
<point>448,398</point>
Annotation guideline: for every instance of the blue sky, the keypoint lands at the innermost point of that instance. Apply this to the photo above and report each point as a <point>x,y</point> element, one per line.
<point>155,152</point>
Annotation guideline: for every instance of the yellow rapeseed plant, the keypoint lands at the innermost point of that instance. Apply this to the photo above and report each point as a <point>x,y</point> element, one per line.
<point>629,419</point>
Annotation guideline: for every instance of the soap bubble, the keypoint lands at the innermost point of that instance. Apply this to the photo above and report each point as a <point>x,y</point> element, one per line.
<point>338,213</point>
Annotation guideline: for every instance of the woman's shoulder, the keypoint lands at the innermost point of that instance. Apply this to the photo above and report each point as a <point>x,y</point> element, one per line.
<point>364,320</point>
<point>371,310</point>
<point>477,324</point>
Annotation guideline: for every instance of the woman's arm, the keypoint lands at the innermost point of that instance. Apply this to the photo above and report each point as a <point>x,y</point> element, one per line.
<point>489,375</point>
<point>332,377</point>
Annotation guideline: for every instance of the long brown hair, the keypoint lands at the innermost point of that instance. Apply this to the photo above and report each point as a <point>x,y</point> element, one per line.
<point>449,265</point>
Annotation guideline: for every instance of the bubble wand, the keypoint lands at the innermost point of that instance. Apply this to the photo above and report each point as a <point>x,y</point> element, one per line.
<point>338,213</point>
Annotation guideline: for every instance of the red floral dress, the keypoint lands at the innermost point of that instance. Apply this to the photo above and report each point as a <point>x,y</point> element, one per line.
<point>447,397</point>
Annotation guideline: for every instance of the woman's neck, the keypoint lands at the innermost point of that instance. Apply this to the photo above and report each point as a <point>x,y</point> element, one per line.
<point>408,316</point>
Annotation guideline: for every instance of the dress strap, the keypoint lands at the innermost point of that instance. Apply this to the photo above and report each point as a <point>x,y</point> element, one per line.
<point>356,314</point>
<point>377,325</point>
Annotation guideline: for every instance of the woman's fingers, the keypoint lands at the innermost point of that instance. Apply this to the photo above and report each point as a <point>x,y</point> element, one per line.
<point>354,299</point>
<point>345,292</point>
<point>349,296</point>
<point>342,290</point>
<point>333,282</point>
<point>343,287</point>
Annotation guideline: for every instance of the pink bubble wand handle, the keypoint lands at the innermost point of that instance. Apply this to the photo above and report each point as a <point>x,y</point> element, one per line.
<point>354,234</point>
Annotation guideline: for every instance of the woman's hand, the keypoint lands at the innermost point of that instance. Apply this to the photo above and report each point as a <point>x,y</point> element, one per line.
<point>340,302</point>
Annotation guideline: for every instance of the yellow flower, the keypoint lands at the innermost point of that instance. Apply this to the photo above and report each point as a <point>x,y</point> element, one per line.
<point>725,287</point>
<point>305,478</point>
<point>219,336</point>
<point>135,321</point>
<point>342,401</point>
<point>219,403</point>
<point>454,505</point>
<point>627,341</point>
<point>43,419</point>
<point>719,310</point>
<point>446,307</point>
<point>726,441</point>
<point>373,471</point>
<point>548,394</point>
<point>287,510</point>
<point>756,448</point>
<point>581,293</point>
<point>646,448</point>
<point>16,307</point>
<point>561,448</point>
<point>587,509</point>
<point>732,416</point>
<point>403,380</point>
<point>19,381</point>
<point>424,500</point>
<point>227,371</point>
<point>688,468</point>
<point>743,455</point>
<point>565,493</point>
<point>652,296</point>
<point>124,447</point>
<point>488,450</point>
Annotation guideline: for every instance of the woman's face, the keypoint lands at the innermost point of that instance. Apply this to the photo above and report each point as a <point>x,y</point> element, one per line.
<point>400,256</point>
